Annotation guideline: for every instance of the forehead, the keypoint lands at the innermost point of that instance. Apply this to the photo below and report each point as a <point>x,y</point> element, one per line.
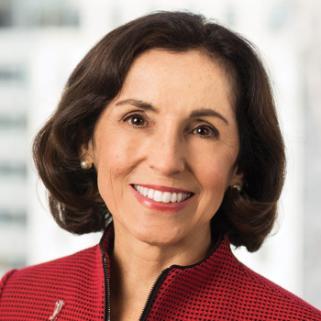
<point>166,76</point>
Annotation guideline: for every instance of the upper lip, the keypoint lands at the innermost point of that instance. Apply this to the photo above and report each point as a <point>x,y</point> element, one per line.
<point>165,188</point>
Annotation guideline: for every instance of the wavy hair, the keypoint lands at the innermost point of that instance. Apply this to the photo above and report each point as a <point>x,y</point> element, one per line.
<point>247,216</point>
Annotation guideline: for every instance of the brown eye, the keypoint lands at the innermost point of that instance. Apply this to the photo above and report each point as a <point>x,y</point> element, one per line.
<point>206,131</point>
<point>135,120</point>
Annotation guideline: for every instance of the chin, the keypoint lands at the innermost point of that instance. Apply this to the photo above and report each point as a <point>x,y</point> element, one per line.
<point>159,236</point>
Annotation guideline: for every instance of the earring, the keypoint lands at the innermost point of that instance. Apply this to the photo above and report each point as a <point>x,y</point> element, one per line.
<point>237,187</point>
<point>84,164</point>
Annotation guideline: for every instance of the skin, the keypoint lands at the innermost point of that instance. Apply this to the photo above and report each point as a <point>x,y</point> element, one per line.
<point>163,148</point>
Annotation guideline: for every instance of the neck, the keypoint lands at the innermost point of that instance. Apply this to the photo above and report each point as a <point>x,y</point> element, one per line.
<point>137,264</point>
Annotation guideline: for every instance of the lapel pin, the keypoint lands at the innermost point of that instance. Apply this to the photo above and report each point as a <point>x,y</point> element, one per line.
<point>58,307</point>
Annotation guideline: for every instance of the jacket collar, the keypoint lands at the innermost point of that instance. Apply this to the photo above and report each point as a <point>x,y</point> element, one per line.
<point>218,248</point>
<point>189,281</point>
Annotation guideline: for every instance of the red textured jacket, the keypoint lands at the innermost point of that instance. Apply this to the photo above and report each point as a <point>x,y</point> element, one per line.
<point>217,288</point>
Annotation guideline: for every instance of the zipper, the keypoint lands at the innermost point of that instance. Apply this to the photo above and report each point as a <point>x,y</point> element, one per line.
<point>150,298</point>
<point>157,284</point>
<point>107,289</point>
<point>152,293</point>
<point>154,289</point>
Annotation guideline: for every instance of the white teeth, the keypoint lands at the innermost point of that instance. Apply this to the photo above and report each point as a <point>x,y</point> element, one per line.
<point>150,193</point>
<point>164,197</point>
<point>157,196</point>
<point>145,191</point>
<point>174,197</point>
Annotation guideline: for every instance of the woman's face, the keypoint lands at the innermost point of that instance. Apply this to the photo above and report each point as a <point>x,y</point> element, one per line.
<point>171,126</point>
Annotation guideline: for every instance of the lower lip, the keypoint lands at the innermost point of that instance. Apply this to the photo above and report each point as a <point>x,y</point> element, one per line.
<point>168,207</point>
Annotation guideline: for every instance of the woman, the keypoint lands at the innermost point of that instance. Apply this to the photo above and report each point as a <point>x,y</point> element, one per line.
<point>166,137</point>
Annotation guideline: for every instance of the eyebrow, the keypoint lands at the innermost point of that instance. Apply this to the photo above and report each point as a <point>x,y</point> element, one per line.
<point>201,112</point>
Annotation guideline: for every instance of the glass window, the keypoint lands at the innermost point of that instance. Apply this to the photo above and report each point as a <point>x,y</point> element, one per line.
<point>46,13</point>
<point>5,13</point>
<point>13,121</point>
<point>11,74</point>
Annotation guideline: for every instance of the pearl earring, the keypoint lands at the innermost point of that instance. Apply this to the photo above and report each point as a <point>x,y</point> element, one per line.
<point>84,164</point>
<point>237,187</point>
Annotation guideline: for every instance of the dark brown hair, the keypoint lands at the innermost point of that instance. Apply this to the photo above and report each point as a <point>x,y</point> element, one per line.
<point>247,216</point>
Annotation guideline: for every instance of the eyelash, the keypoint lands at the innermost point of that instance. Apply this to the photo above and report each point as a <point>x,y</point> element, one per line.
<point>214,131</point>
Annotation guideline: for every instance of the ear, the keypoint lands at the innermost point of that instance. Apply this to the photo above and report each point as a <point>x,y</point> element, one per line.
<point>87,152</point>
<point>237,178</point>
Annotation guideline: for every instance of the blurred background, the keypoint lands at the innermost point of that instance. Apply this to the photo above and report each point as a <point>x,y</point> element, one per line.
<point>42,41</point>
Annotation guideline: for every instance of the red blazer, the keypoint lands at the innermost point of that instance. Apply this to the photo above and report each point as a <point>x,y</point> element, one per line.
<point>219,287</point>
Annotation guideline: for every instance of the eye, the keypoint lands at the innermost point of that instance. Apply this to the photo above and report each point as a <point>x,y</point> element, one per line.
<point>206,131</point>
<point>136,120</point>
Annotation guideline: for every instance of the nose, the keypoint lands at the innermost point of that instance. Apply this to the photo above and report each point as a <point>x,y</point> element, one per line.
<point>167,155</point>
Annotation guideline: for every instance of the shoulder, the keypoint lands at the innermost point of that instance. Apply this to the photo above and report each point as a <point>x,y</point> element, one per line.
<point>40,286</point>
<point>276,302</point>
<point>4,279</point>
<point>51,270</point>
<point>49,276</point>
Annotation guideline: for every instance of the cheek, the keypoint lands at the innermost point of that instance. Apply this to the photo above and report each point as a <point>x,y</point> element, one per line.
<point>213,180</point>
<point>112,152</point>
<point>114,162</point>
<point>214,170</point>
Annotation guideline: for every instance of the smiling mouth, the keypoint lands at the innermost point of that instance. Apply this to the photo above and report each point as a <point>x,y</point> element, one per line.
<point>162,196</point>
